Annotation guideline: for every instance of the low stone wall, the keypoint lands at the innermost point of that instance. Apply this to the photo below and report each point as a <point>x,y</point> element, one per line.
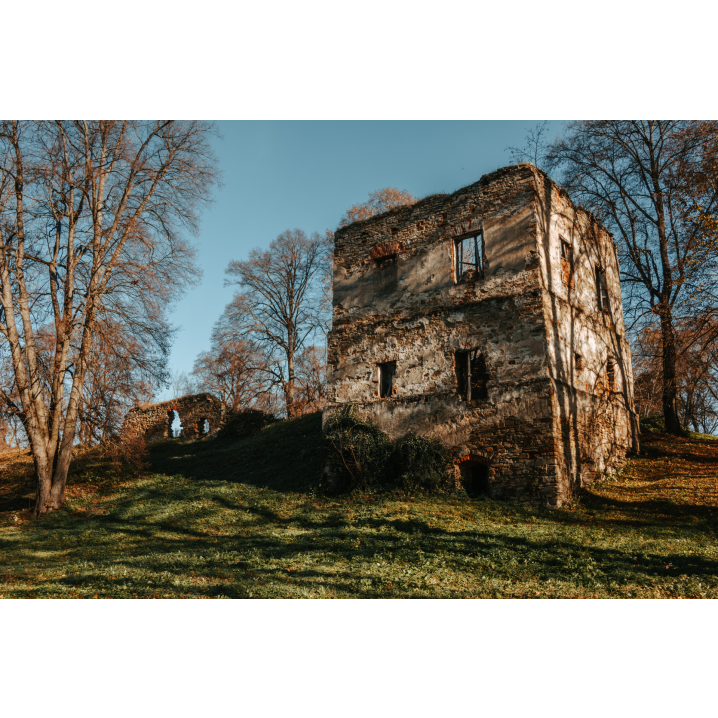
<point>153,420</point>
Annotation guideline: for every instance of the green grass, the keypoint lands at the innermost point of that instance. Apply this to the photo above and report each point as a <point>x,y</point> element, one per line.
<point>245,519</point>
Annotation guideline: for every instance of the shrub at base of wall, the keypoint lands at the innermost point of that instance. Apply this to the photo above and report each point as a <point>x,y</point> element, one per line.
<point>360,456</point>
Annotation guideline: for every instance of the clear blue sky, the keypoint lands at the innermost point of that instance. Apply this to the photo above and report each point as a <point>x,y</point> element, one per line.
<point>282,175</point>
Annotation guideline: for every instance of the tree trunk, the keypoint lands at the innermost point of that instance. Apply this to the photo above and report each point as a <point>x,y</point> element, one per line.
<point>289,390</point>
<point>670,413</point>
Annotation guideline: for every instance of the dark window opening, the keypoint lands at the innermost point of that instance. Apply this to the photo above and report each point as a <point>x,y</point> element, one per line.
<point>471,375</point>
<point>610,375</point>
<point>394,230</point>
<point>602,290</point>
<point>387,261</point>
<point>579,362</point>
<point>474,478</point>
<point>566,263</point>
<point>468,258</point>
<point>175,427</point>
<point>387,370</point>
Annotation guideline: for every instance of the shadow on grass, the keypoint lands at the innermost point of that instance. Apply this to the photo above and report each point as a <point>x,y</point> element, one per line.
<point>170,537</point>
<point>286,456</point>
<point>241,520</point>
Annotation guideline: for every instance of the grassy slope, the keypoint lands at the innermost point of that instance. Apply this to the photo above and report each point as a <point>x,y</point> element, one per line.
<point>243,520</point>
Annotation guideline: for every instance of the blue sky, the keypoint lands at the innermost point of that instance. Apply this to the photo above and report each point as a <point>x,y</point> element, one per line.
<point>286,174</point>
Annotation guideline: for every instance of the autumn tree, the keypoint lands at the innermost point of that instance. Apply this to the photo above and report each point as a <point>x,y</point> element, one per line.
<point>281,306</point>
<point>311,372</point>
<point>640,178</point>
<point>236,370</point>
<point>93,218</point>
<point>381,200</point>
<point>696,374</point>
<point>122,372</point>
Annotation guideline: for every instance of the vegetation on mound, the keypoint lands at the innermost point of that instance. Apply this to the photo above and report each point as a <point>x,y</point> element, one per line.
<point>243,520</point>
<point>656,425</point>
<point>359,456</point>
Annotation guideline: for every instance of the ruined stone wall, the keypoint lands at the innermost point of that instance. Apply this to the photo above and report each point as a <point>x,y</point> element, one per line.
<point>153,420</point>
<point>588,353</point>
<point>543,426</point>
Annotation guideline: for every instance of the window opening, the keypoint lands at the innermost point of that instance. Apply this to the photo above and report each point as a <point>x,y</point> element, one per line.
<point>471,375</point>
<point>474,478</point>
<point>579,362</point>
<point>175,424</point>
<point>469,260</point>
<point>204,427</point>
<point>387,370</point>
<point>602,290</point>
<point>566,263</point>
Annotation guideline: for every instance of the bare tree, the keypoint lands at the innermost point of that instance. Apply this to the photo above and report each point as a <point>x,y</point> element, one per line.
<point>640,178</point>
<point>535,148</point>
<point>92,223</point>
<point>281,306</point>
<point>237,371</point>
<point>181,384</point>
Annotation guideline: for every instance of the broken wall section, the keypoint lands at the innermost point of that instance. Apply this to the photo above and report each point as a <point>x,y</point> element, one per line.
<point>153,421</point>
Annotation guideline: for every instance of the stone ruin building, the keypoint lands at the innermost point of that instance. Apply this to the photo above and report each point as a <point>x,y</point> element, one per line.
<point>490,319</point>
<point>191,417</point>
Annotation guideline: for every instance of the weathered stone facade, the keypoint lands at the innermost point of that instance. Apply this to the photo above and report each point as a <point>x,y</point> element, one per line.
<point>516,359</point>
<point>153,420</point>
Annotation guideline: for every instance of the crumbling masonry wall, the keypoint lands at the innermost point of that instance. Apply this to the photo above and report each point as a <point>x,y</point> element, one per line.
<point>152,421</point>
<point>540,426</point>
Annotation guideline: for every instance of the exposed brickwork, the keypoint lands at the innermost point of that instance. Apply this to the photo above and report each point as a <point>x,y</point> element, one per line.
<point>541,425</point>
<point>153,420</point>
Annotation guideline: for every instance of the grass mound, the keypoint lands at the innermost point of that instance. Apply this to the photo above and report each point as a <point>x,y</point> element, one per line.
<point>284,456</point>
<point>245,423</point>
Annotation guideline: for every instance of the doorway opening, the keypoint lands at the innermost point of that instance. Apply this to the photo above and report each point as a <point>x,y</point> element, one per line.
<point>475,478</point>
<point>175,428</point>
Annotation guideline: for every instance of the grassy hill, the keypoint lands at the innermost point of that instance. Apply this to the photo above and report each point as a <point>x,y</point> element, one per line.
<point>245,519</point>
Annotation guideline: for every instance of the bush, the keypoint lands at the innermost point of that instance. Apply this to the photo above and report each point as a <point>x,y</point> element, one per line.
<point>652,424</point>
<point>245,423</point>
<point>421,463</point>
<point>656,425</point>
<point>360,456</point>
<point>357,452</point>
<point>130,451</point>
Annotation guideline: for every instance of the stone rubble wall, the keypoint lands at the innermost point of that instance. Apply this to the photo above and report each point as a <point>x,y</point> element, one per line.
<point>153,420</point>
<point>596,421</point>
